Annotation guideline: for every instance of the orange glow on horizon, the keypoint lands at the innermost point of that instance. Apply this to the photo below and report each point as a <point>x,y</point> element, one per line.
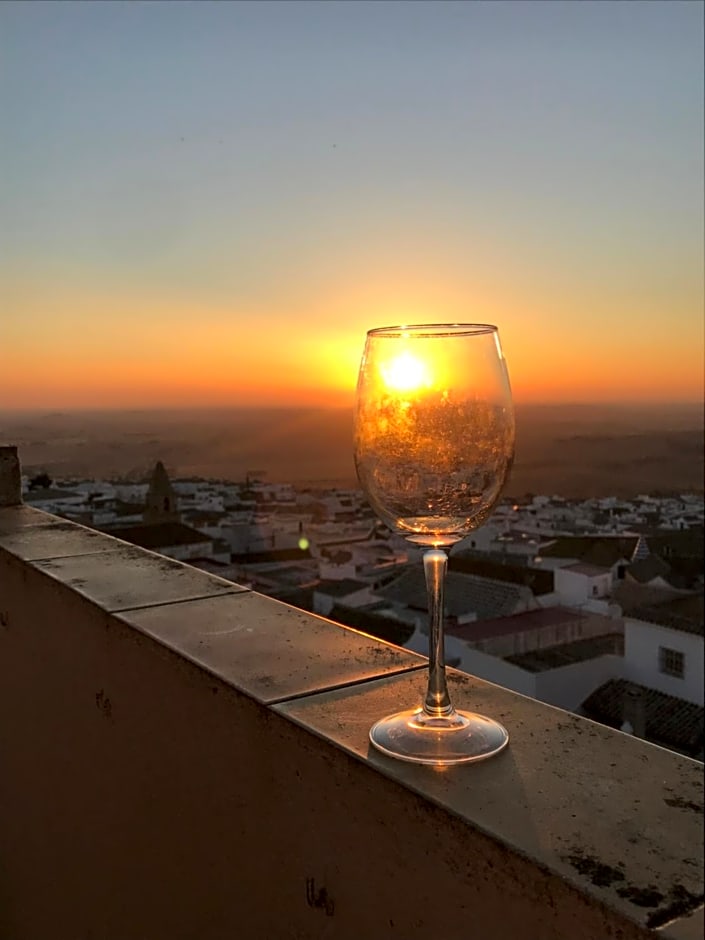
<point>74,380</point>
<point>75,344</point>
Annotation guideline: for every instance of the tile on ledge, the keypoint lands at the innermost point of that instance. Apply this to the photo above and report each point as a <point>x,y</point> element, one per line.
<point>13,518</point>
<point>268,649</point>
<point>691,927</point>
<point>31,534</point>
<point>619,818</point>
<point>124,576</point>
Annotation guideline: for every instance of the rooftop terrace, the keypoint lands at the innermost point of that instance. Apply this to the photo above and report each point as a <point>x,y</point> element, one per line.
<point>185,758</point>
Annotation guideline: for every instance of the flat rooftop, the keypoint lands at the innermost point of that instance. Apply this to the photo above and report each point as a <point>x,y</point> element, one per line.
<point>553,657</point>
<point>515,623</point>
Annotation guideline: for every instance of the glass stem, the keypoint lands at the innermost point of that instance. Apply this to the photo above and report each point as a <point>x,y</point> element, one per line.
<point>437,701</point>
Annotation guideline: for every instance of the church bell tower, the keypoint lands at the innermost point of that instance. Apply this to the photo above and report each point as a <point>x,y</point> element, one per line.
<point>161,503</point>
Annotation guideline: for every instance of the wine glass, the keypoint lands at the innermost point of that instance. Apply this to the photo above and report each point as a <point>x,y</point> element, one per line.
<point>434,444</point>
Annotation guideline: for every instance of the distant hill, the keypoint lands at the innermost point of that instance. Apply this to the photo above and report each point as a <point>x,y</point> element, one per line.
<point>574,450</point>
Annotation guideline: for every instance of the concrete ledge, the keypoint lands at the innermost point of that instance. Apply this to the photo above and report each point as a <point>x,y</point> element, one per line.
<point>607,813</point>
<point>182,758</point>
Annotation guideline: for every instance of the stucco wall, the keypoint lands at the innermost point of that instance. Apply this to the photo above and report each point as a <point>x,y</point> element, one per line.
<point>641,659</point>
<point>180,766</point>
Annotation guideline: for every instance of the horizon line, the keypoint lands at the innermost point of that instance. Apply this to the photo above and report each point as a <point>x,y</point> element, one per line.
<point>53,410</point>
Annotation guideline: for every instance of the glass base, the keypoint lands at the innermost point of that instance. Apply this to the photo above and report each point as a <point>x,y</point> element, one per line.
<point>457,738</point>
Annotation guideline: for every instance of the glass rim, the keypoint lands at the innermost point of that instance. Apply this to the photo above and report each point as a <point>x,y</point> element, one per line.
<point>434,329</point>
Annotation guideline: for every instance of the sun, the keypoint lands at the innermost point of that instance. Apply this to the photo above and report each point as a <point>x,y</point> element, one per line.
<point>405,373</point>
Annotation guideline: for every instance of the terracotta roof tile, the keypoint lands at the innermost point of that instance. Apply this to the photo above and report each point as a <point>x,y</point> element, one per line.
<point>604,551</point>
<point>464,594</point>
<point>158,535</point>
<point>684,613</point>
<point>646,569</point>
<point>516,623</point>
<point>670,721</point>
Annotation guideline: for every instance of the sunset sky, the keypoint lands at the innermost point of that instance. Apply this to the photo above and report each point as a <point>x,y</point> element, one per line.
<point>210,203</point>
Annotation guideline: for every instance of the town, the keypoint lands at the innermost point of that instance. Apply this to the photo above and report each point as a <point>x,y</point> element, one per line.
<point>594,606</point>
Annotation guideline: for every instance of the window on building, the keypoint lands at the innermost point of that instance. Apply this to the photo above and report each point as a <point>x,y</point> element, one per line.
<point>671,662</point>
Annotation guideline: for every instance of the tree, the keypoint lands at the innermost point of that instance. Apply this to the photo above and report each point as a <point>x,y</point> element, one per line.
<point>42,481</point>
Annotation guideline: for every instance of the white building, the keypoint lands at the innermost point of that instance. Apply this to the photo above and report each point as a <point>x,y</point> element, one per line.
<point>579,583</point>
<point>666,656</point>
<point>558,655</point>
